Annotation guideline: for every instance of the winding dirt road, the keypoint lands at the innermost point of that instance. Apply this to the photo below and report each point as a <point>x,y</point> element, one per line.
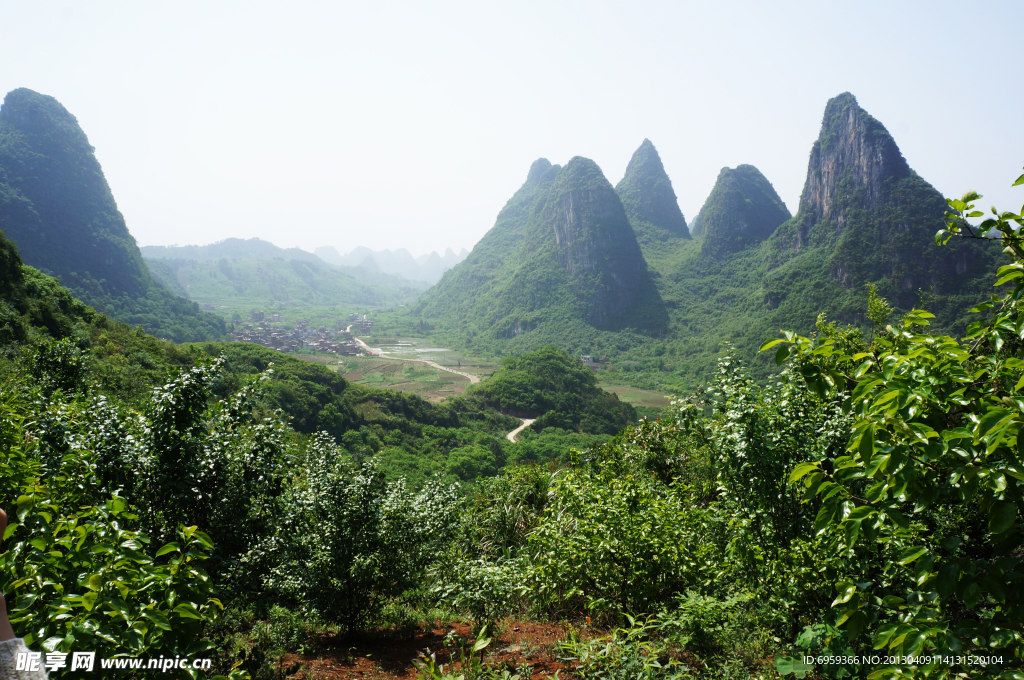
<point>378,353</point>
<point>511,436</point>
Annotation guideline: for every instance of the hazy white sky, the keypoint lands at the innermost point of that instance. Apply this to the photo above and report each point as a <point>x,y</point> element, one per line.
<point>411,124</point>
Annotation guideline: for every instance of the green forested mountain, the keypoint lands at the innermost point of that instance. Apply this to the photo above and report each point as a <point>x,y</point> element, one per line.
<point>557,390</point>
<point>56,206</point>
<point>650,202</point>
<point>274,280</point>
<point>864,217</point>
<point>561,259</point>
<point>742,210</point>
<point>174,264</point>
<point>229,249</point>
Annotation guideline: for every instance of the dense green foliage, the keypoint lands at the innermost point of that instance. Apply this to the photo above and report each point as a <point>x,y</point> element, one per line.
<point>56,206</point>
<point>557,390</point>
<point>350,541</point>
<point>30,300</point>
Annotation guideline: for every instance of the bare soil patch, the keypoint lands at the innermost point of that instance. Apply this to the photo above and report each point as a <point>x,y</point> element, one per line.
<point>387,655</point>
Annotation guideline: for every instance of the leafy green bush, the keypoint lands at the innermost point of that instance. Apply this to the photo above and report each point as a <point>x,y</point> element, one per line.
<point>349,541</point>
<point>83,575</point>
<point>612,541</point>
<point>632,652</point>
<point>702,623</point>
<point>59,365</point>
<point>938,425</point>
<point>487,590</point>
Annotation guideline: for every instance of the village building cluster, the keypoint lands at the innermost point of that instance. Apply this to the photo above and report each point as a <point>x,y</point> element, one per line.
<point>303,336</point>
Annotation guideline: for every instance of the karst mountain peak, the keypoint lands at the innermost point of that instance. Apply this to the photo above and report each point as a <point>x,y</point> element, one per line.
<point>562,250</point>
<point>870,217</point>
<point>56,206</point>
<point>742,210</point>
<point>853,147</point>
<point>649,199</point>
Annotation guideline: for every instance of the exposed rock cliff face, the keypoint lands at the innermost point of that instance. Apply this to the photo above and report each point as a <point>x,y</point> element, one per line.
<point>870,215</point>
<point>853,148</point>
<point>647,195</point>
<point>742,210</point>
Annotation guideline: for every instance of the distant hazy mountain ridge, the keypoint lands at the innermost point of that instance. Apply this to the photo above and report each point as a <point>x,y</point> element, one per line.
<point>428,268</point>
<point>230,249</point>
<point>253,268</point>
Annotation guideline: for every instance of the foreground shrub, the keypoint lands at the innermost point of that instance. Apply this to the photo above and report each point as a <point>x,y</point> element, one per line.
<point>349,540</point>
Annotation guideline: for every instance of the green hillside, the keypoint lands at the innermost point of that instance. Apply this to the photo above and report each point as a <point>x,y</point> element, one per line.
<point>265,281</point>
<point>864,217</point>
<point>557,390</point>
<point>31,302</point>
<point>56,206</point>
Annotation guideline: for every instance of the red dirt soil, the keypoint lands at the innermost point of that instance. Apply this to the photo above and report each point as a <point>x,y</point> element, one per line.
<point>384,656</point>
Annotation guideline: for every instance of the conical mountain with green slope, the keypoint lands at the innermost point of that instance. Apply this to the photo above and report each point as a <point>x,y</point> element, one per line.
<point>562,259</point>
<point>55,204</point>
<point>741,211</point>
<point>650,202</point>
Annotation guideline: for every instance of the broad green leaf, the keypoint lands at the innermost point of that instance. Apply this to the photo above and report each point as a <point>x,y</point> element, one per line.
<point>972,594</point>
<point>768,344</point>
<point>911,554</point>
<point>883,634</point>
<point>898,518</point>
<point>187,611</point>
<point>801,470</point>
<point>846,591</point>
<point>1001,516</point>
<point>170,547</point>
